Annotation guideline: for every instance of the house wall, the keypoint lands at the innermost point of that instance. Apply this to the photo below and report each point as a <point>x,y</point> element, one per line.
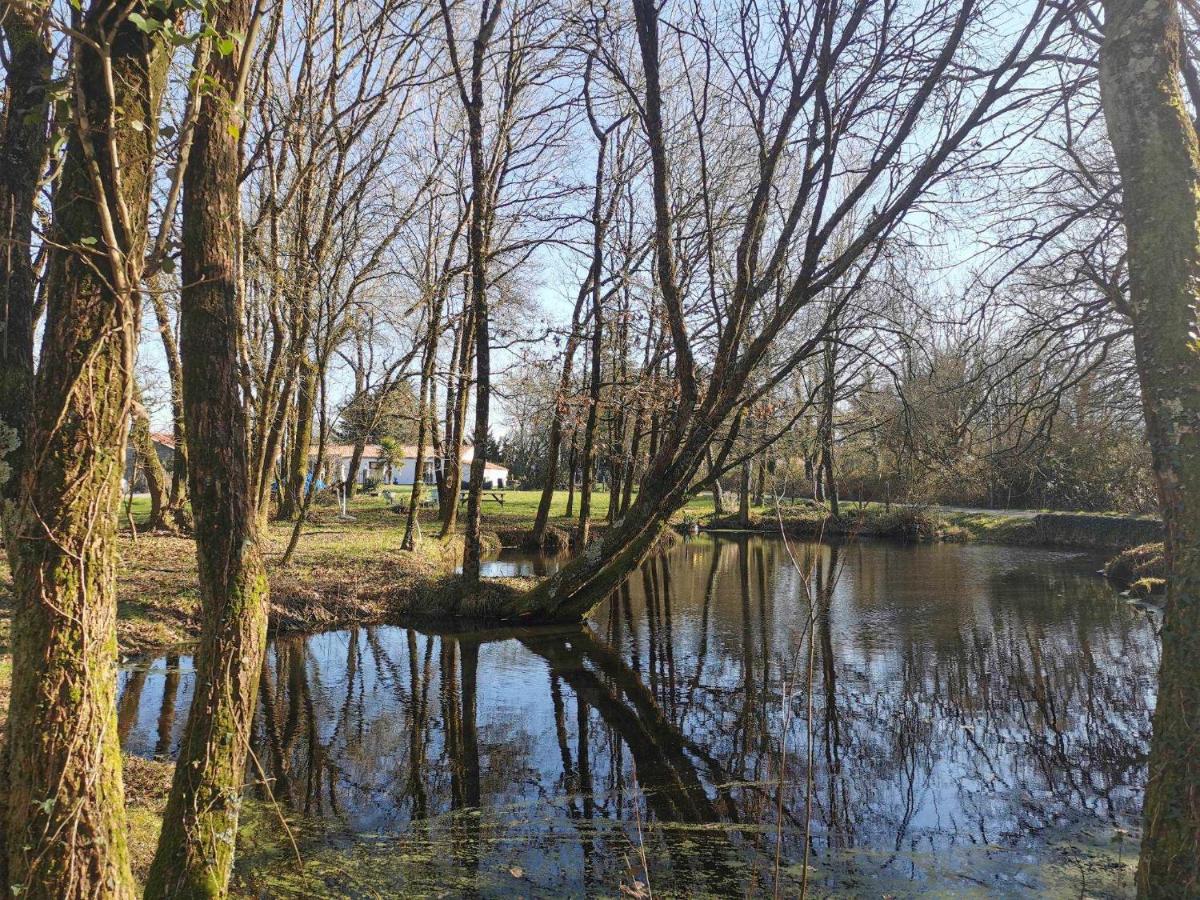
<point>166,456</point>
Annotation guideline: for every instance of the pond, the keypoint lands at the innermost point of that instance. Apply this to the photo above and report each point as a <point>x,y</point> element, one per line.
<point>974,720</point>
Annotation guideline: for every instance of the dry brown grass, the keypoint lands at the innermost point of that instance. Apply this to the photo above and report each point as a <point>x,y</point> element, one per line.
<point>343,572</point>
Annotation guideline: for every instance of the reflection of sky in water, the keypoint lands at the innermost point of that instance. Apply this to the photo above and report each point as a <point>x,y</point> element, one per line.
<point>978,713</point>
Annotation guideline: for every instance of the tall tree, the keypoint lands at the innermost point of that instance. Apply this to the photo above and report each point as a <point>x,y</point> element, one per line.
<point>1156,148</point>
<point>195,849</point>
<point>66,813</point>
<point>471,93</point>
<point>797,234</point>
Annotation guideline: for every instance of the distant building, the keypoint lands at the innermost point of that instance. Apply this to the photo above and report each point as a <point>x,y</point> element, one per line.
<point>164,446</point>
<point>374,466</point>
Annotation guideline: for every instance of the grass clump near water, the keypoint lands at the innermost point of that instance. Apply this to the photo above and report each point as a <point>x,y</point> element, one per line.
<point>1142,570</point>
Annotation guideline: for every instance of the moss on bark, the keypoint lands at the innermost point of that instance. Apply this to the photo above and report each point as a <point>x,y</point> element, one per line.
<point>66,815</point>
<point>196,847</point>
<point>1159,161</point>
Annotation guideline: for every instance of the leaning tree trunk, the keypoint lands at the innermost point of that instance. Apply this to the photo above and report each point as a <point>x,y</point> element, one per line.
<point>1159,162</point>
<point>195,849</point>
<point>569,594</point>
<point>66,806</point>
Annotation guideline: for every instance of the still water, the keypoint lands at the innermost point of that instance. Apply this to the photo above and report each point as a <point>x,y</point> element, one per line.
<point>957,719</point>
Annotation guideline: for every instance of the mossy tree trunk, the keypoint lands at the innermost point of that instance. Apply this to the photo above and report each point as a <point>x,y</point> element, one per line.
<point>571,592</point>
<point>23,153</point>
<point>195,849</point>
<point>66,813</point>
<point>1159,162</point>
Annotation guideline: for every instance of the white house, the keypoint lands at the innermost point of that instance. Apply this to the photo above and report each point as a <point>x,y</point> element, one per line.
<point>403,468</point>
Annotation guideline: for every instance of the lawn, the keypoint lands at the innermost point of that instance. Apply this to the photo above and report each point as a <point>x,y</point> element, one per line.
<point>517,504</point>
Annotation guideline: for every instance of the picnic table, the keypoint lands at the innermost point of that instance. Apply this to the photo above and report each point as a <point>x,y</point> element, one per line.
<point>496,496</point>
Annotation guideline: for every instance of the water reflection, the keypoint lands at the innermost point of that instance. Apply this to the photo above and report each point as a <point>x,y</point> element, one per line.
<point>977,717</point>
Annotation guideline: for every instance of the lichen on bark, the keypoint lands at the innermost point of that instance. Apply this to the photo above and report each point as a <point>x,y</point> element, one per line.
<point>1159,161</point>
<point>66,814</point>
<point>195,851</point>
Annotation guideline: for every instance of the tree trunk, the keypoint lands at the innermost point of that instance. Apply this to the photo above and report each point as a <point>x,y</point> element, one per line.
<point>292,496</point>
<point>427,393</point>
<point>588,456</point>
<point>178,495</point>
<point>1159,162</point>
<point>320,467</point>
<point>66,806</point>
<point>356,455</point>
<point>571,592</point>
<point>614,490</point>
<point>831,491</point>
<point>829,399</point>
<point>477,252</point>
<point>718,495</point>
<point>458,422</point>
<point>538,535</point>
<point>195,849</point>
<point>635,447</point>
<point>572,460</point>
<point>22,158</point>
<point>147,456</point>
<point>744,494</point>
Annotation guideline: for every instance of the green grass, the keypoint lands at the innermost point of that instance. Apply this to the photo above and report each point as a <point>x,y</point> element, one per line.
<point>524,504</point>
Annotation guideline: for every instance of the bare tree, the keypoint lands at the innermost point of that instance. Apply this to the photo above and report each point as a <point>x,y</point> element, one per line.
<point>791,84</point>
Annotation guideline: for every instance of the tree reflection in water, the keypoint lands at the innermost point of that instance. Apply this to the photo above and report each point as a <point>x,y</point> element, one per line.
<point>980,714</point>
